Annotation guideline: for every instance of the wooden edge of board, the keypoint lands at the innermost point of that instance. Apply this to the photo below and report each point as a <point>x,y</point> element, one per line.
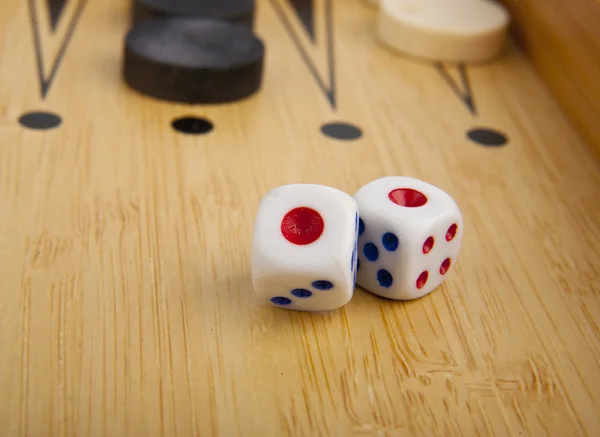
<point>562,40</point>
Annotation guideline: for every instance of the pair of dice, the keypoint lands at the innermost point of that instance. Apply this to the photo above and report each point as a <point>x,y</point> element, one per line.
<point>398,237</point>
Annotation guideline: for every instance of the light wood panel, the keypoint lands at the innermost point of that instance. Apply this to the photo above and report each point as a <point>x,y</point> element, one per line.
<point>126,305</point>
<point>562,40</point>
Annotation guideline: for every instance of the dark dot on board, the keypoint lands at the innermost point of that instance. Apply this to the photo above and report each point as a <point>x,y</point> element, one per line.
<point>40,120</point>
<point>487,137</point>
<point>301,292</point>
<point>341,131</point>
<point>371,252</point>
<point>385,278</point>
<point>361,226</point>
<point>192,125</point>
<point>389,241</point>
<point>322,285</point>
<point>357,264</point>
<point>279,300</point>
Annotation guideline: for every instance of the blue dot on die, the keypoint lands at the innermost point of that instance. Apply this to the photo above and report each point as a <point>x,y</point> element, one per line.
<point>322,285</point>
<point>385,278</point>
<point>371,252</point>
<point>361,226</point>
<point>389,241</point>
<point>301,292</point>
<point>279,300</point>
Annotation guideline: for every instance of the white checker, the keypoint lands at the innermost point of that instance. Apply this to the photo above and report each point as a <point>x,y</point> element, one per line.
<point>467,31</point>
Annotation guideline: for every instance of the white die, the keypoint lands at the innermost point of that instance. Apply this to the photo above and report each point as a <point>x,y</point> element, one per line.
<point>304,249</point>
<point>409,237</point>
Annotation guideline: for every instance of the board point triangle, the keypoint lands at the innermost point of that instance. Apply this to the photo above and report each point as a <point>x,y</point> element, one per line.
<point>459,84</point>
<point>305,11</point>
<point>55,9</point>
<point>49,62</point>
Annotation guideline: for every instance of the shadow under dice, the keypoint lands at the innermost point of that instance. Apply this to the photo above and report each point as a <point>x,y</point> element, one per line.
<point>409,237</point>
<point>304,250</point>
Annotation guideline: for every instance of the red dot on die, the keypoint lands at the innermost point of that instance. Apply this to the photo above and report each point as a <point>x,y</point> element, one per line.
<point>428,245</point>
<point>451,232</point>
<point>302,226</point>
<point>407,197</point>
<point>422,279</point>
<point>445,266</point>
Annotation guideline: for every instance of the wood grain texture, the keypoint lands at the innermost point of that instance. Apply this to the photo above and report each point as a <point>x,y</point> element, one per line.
<point>126,305</point>
<point>562,40</point>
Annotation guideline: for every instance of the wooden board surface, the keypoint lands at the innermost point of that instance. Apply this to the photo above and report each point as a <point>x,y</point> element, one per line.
<point>562,40</point>
<point>126,305</point>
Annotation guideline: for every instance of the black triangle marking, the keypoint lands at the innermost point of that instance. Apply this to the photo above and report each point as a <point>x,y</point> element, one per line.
<point>465,94</point>
<point>56,8</point>
<point>46,81</point>
<point>305,9</point>
<point>328,91</point>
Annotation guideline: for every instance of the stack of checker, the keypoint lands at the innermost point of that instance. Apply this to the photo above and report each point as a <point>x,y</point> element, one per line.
<point>194,51</point>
